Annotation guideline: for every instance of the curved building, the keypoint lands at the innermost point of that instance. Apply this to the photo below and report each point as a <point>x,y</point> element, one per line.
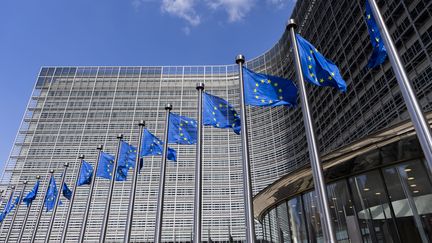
<point>74,109</point>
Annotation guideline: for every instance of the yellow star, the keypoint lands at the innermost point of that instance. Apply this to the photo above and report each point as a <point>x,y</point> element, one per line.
<point>310,66</point>
<point>321,80</point>
<point>181,124</point>
<point>255,90</point>
<point>311,52</point>
<point>220,105</point>
<point>270,101</point>
<point>310,58</point>
<point>276,84</point>
<point>181,134</point>
<point>262,81</point>
<point>269,81</point>
<point>312,75</point>
<point>214,113</point>
<point>281,97</point>
<point>185,139</point>
<point>215,108</point>
<point>330,78</point>
<point>262,101</point>
<point>377,39</point>
<point>368,16</point>
<point>333,74</point>
<point>257,84</point>
<point>257,97</point>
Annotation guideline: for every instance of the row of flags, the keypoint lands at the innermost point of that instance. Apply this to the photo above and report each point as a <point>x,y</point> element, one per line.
<point>261,90</point>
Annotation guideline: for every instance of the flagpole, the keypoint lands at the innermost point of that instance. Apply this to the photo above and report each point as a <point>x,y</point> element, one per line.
<point>16,212</point>
<point>60,191</point>
<point>110,192</point>
<point>129,220</point>
<point>89,197</point>
<point>318,176</point>
<point>247,183</point>
<point>40,210</point>
<point>415,111</point>
<point>1,197</point>
<point>71,202</point>
<point>198,170</point>
<point>161,193</point>
<point>26,218</point>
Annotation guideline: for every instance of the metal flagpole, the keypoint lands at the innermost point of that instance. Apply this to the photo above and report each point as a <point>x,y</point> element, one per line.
<point>318,176</point>
<point>110,192</point>
<point>1,197</point>
<point>198,170</point>
<point>129,220</point>
<point>161,193</point>
<point>41,209</point>
<point>247,183</point>
<point>418,119</point>
<point>89,197</point>
<point>57,201</point>
<point>23,225</point>
<point>66,224</point>
<point>16,212</point>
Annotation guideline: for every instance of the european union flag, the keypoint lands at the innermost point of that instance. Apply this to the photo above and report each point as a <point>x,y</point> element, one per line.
<point>217,112</point>
<point>266,90</point>
<point>106,166</point>
<point>28,199</point>
<point>6,208</point>
<point>316,68</point>
<point>182,129</point>
<point>379,52</point>
<point>51,194</point>
<point>86,174</point>
<point>67,193</point>
<point>127,155</point>
<point>152,145</point>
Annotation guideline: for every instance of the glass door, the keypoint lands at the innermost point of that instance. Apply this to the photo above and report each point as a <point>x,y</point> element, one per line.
<point>371,202</point>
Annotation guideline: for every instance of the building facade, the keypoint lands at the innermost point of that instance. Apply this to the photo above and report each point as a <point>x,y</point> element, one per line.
<point>74,109</point>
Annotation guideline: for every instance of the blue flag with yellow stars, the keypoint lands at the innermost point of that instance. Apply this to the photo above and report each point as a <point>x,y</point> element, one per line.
<point>106,166</point>
<point>28,199</point>
<point>126,159</point>
<point>86,174</point>
<point>51,194</point>
<point>10,205</point>
<point>316,68</point>
<point>217,112</point>
<point>266,90</point>
<point>67,193</point>
<point>182,129</point>
<point>379,52</point>
<point>152,145</point>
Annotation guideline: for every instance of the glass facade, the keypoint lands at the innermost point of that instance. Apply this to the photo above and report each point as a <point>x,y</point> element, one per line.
<point>73,109</point>
<point>389,201</point>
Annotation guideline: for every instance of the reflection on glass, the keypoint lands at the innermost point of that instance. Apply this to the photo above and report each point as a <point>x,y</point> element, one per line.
<point>274,229</point>
<point>296,220</point>
<point>313,217</point>
<point>410,192</point>
<point>282,214</point>
<point>343,214</point>
<point>373,212</point>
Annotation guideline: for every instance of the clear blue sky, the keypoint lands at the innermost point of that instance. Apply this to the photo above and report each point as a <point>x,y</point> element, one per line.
<point>124,32</point>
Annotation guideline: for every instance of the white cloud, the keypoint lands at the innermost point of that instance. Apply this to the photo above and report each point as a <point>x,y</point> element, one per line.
<point>281,3</point>
<point>184,9</point>
<point>236,9</point>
